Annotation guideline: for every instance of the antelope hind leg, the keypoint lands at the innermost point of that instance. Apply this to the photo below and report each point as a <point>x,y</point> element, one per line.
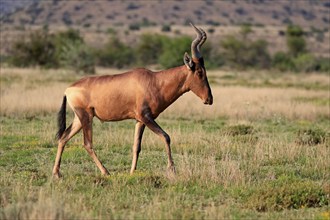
<point>69,132</point>
<point>86,120</point>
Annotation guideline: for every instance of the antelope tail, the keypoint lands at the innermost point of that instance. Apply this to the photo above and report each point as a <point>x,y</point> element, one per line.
<point>61,120</point>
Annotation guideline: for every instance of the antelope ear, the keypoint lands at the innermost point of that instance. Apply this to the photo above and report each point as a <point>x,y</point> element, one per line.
<point>187,61</point>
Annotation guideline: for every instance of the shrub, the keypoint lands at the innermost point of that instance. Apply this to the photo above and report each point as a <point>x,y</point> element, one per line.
<point>174,49</point>
<point>65,38</point>
<point>320,37</point>
<point>245,30</point>
<point>240,11</point>
<point>78,57</point>
<point>213,57</point>
<point>323,64</point>
<point>283,62</point>
<point>150,48</point>
<point>69,35</point>
<point>132,6</point>
<point>280,195</point>
<point>176,8</point>
<point>42,49</point>
<point>66,18</point>
<point>245,53</point>
<point>295,40</point>
<point>211,30</point>
<point>72,52</point>
<point>166,28</point>
<point>233,50</point>
<point>286,21</point>
<point>241,52</point>
<point>134,27</point>
<point>86,25</point>
<point>281,33</point>
<point>212,23</point>
<point>311,136</point>
<point>154,48</point>
<point>257,54</point>
<point>38,50</point>
<point>305,62</point>
<point>146,23</point>
<point>241,134</point>
<point>111,31</point>
<point>236,130</point>
<point>296,45</point>
<point>115,54</point>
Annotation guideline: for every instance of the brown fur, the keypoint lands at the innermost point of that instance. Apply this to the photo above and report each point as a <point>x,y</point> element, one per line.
<point>139,94</point>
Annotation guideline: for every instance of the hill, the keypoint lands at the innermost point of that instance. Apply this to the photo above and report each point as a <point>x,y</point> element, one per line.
<point>305,13</point>
<point>109,13</point>
<point>129,19</point>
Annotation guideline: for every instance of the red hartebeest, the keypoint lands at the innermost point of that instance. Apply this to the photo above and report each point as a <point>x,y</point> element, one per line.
<point>139,94</point>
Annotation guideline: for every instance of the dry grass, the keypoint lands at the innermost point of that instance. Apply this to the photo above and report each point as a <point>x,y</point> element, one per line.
<point>46,207</point>
<point>17,100</point>
<point>243,103</point>
<point>222,173</point>
<point>32,92</point>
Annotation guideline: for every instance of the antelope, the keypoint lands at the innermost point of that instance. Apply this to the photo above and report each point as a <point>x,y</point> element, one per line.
<point>139,94</point>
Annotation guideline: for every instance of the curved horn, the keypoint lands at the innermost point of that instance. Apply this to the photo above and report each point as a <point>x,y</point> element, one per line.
<point>204,37</point>
<point>195,52</point>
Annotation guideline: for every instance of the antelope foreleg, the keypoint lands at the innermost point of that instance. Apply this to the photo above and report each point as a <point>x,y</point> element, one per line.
<point>152,125</point>
<point>139,128</point>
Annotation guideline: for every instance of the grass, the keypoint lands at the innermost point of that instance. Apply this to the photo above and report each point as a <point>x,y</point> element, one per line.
<point>258,153</point>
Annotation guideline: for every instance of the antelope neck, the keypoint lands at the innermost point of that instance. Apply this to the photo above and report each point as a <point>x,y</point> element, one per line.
<point>172,82</point>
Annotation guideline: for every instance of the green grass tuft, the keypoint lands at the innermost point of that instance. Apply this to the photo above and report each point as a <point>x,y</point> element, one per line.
<point>237,130</point>
<point>279,195</point>
<point>311,136</point>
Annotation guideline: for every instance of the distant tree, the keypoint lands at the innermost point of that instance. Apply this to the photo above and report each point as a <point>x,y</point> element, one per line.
<point>166,28</point>
<point>174,49</point>
<point>63,49</point>
<point>233,50</point>
<point>115,54</point>
<point>257,54</point>
<point>134,27</point>
<point>211,30</point>
<point>66,18</point>
<point>37,50</point>
<point>245,30</point>
<point>295,40</point>
<point>240,51</point>
<point>150,48</point>
<point>283,62</point>
<point>77,56</point>
<point>305,62</point>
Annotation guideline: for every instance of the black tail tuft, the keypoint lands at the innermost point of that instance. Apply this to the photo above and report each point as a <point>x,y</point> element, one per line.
<point>61,119</point>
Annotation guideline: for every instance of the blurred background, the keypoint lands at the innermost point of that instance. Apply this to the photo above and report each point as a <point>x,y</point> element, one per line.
<point>256,34</point>
<point>261,151</point>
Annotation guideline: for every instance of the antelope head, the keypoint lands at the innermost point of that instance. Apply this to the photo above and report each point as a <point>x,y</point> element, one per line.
<point>197,79</point>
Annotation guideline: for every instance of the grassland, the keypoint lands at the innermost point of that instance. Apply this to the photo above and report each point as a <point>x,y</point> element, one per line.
<point>261,151</point>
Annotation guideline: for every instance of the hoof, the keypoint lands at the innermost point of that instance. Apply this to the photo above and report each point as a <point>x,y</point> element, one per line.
<point>171,169</point>
<point>57,175</point>
<point>105,173</point>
